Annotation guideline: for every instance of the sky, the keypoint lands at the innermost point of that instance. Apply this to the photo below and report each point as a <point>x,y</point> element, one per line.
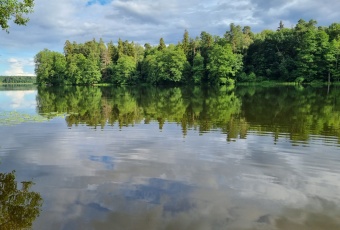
<point>141,21</point>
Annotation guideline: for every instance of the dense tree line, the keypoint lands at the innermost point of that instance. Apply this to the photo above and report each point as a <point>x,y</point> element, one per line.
<point>17,79</point>
<point>305,53</point>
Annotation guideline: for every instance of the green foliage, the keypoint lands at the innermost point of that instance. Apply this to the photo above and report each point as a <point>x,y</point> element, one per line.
<point>124,70</point>
<point>165,66</point>
<point>206,43</point>
<point>161,45</point>
<point>198,69</point>
<point>75,68</point>
<point>50,67</point>
<point>243,77</point>
<point>149,68</point>
<point>16,11</point>
<point>240,39</point>
<point>91,72</point>
<point>171,64</point>
<point>302,52</point>
<point>222,64</point>
<point>18,207</point>
<point>334,31</point>
<point>306,47</point>
<point>271,55</point>
<point>335,51</point>
<point>17,80</point>
<point>286,54</point>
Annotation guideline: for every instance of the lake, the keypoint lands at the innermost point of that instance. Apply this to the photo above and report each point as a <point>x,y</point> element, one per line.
<point>174,158</point>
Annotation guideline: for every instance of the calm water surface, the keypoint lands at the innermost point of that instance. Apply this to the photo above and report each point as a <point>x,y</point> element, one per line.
<point>176,158</point>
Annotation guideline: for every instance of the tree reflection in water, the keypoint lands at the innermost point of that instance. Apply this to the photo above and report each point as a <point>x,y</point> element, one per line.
<point>283,112</point>
<point>18,207</point>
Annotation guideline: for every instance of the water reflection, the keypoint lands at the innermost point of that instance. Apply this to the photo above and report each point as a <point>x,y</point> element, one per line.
<point>181,158</point>
<point>326,216</point>
<point>18,100</point>
<point>289,112</point>
<point>299,113</point>
<point>18,207</point>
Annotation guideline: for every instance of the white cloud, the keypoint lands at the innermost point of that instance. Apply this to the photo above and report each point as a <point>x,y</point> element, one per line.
<point>16,67</point>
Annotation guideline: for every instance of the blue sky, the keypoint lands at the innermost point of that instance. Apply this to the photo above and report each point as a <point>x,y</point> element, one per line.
<point>141,21</point>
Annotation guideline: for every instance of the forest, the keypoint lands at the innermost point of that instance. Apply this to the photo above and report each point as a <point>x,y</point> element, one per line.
<point>305,53</point>
<point>18,80</point>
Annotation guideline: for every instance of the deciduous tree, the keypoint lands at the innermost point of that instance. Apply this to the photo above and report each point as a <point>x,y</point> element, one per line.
<point>15,10</point>
<point>223,64</point>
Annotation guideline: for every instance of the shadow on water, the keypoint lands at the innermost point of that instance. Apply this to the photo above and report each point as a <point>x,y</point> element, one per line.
<point>18,207</point>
